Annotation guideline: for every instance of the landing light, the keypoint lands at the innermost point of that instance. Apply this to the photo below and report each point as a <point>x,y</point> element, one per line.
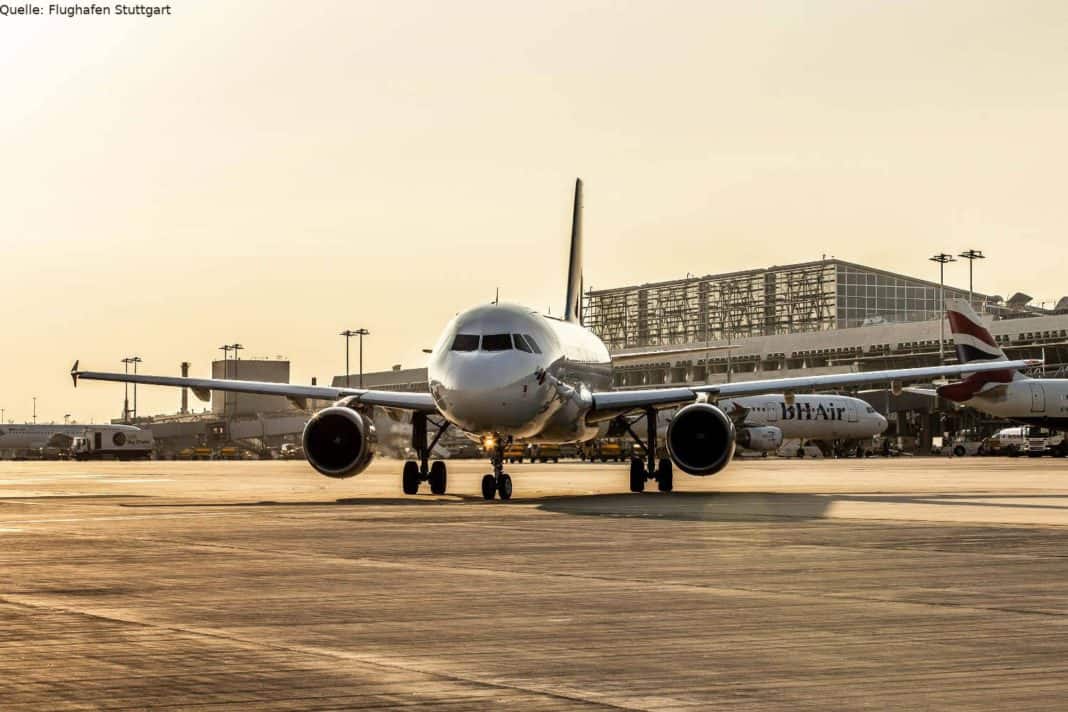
<point>488,442</point>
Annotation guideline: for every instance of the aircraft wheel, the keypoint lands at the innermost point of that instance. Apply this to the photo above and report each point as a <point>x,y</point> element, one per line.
<point>504,486</point>
<point>410,479</point>
<point>439,477</point>
<point>637,475</point>
<point>664,478</point>
<point>959,451</point>
<point>489,487</point>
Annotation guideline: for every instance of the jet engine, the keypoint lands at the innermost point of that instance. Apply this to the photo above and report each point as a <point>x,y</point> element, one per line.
<point>762,438</point>
<point>700,439</point>
<point>339,441</point>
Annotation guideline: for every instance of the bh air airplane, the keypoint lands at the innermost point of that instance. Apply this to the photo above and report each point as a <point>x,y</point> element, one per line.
<point>763,422</point>
<point>1004,393</point>
<point>501,372</point>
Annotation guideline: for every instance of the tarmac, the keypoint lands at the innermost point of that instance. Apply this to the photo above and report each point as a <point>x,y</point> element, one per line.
<point>907,583</point>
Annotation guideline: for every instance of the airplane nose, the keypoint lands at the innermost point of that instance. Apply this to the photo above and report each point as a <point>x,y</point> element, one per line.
<point>490,393</point>
<point>882,422</point>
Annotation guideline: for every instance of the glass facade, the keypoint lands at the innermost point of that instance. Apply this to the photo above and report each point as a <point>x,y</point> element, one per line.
<point>871,296</point>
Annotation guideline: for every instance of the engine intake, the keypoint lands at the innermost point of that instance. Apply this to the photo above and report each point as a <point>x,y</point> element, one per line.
<point>700,439</point>
<point>339,441</point>
<point>762,438</point>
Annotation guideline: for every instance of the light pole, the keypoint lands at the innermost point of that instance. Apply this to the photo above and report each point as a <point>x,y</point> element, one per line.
<point>126,392</point>
<point>971,256</point>
<point>348,334</point>
<point>236,348</point>
<point>942,258</point>
<point>35,410</point>
<point>225,348</point>
<point>135,360</point>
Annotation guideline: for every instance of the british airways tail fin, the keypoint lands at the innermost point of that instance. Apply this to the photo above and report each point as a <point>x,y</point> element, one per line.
<point>573,307</point>
<point>974,342</point>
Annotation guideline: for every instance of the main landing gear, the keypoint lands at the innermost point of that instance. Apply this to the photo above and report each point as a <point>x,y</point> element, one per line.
<point>415,473</point>
<point>648,469</point>
<point>499,482</point>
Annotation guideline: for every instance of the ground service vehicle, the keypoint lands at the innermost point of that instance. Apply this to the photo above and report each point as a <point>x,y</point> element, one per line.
<point>515,452</point>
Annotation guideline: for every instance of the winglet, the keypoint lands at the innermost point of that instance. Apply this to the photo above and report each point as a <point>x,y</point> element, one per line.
<point>74,374</point>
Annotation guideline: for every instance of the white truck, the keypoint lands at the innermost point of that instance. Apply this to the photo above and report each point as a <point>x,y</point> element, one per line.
<point>1028,440</point>
<point>112,444</point>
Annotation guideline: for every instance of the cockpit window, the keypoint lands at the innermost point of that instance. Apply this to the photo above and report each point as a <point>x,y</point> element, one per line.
<point>521,343</point>
<point>496,342</point>
<point>532,342</point>
<point>465,342</point>
<point>870,409</point>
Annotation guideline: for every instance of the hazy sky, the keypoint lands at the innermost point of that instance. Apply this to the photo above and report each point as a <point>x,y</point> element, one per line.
<point>274,172</point>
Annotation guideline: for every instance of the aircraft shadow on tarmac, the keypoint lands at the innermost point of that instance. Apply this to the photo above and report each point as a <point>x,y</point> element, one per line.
<point>687,506</point>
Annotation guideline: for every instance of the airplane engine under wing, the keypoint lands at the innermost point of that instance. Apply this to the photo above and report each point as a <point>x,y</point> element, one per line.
<point>762,438</point>
<point>339,442</point>
<point>700,439</point>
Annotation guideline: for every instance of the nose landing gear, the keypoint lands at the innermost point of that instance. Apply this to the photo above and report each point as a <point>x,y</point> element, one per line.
<point>639,471</point>
<point>498,483</point>
<point>415,473</point>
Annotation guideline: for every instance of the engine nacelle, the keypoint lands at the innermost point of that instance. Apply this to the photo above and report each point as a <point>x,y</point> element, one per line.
<point>700,439</point>
<point>339,441</point>
<point>762,438</point>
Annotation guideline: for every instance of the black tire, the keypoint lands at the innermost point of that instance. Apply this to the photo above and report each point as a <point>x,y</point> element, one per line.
<point>504,487</point>
<point>959,451</point>
<point>489,487</point>
<point>664,477</point>
<point>439,477</point>
<point>637,475</point>
<point>410,479</point>
<point>556,459</point>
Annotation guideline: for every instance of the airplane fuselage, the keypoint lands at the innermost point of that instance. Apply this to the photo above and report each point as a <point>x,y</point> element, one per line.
<point>1035,401</point>
<point>814,417</point>
<point>502,369</point>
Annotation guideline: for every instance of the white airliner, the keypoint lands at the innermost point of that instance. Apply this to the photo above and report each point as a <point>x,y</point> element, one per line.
<point>1005,393</point>
<point>503,371</point>
<point>763,422</point>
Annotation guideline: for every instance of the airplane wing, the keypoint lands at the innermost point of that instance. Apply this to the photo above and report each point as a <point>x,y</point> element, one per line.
<point>299,395</point>
<point>608,404</point>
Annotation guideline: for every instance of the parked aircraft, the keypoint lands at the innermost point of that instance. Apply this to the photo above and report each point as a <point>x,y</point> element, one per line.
<point>504,371</point>
<point>1004,393</point>
<point>763,422</point>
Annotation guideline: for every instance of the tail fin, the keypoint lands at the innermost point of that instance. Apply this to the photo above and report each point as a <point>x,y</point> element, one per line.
<point>974,342</point>
<point>573,308</point>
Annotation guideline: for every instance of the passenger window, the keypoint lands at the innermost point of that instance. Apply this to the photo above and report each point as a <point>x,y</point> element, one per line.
<point>496,342</point>
<point>532,342</point>
<point>521,343</point>
<point>465,342</point>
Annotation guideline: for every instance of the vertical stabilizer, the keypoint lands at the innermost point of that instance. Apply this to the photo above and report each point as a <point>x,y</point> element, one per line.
<point>573,306</point>
<point>974,342</point>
